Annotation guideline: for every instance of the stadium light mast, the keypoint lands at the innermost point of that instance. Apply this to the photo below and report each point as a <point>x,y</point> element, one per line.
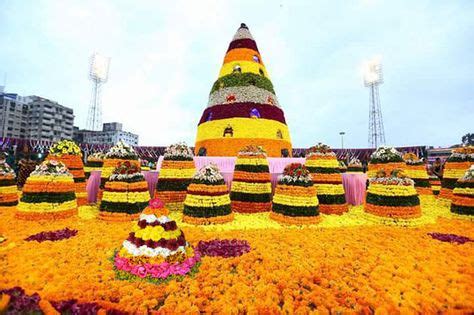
<point>98,74</point>
<point>373,77</point>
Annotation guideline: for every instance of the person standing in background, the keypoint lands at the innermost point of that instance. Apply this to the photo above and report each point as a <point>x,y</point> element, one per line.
<point>438,168</point>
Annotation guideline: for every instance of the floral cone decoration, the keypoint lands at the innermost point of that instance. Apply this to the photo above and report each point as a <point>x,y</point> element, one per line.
<point>342,166</point>
<point>322,163</point>
<point>355,166</point>
<point>458,162</point>
<point>94,162</point>
<point>8,189</point>
<point>463,194</point>
<point>251,189</point>
<point>435,184</point>
<point>295,200</point>
<point>243,108</point>
<point>387,159</point>
<point>176,173</point>
<point>49,193</point>
<point>207,200</point>
<point>69,153</point>
<point>156,249</point>
<point>392,196</point>
<point>415,169</point>
<point>121,152</point>
<point>126,194</point>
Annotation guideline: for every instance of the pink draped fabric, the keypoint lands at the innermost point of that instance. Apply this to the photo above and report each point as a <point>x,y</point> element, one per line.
<point>92,186</point>
<point>354,186</point>
<point>151,178</point>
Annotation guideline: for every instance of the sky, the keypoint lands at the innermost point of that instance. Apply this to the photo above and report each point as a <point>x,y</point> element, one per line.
<point>165,56</point>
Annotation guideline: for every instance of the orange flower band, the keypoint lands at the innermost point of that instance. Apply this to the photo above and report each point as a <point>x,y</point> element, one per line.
<point>334,208</point>
<point>393,212</point>
<point>250,207</point>
<point>294,220</point>
<point>56,215</point>
<point>210,220</point>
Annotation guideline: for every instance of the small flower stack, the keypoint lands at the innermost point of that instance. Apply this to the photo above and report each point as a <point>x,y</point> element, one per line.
<point>207,200</point>
<point>415,169</point>
<point>322,163</point>
<point>176,173</point>
<point>435,184</point>
<point>94,162</point>
<point>8,189</point>
<point>48,194</point>
<point>251,190</point>
<point>126,194</point>
<point>121,152</point>
<point>156,249</point>
<point>342,166</point>
<point>459,161</point>
<point>392,196</point>
<point>387,159</point>
<point>355,166</point>
<point>295,200</point>
<point>463,194</point>
<point>69,153</point>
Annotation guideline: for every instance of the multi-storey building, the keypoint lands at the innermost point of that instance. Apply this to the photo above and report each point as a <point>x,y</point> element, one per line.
<point>13,116</point>
<point>111,134</point>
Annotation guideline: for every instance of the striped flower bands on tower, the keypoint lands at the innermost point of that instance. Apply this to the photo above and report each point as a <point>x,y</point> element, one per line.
<point>94,162</point>
<point>176,173</point>
<point>416,170</point>
<point>251,190</point>
<point>8,189</point>
<point>463,194</point>
<point>458,162</point>
<point>387,159</point>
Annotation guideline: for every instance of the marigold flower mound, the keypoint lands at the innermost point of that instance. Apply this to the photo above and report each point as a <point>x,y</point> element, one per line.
<point>243,109</point>
<point>435,184</point>
<point>94,162</point>
<point>8,188</point>
<point>295,200</point>
<point>385,158</point>
<point>463,194</point>
<point>176,173</point>
<point>251,189</point>
<point>458,162</point>
<point>126,194</point>
<point>207,200</point>
<point>48,194</point>
<point>415,169</point>
<point>323,165</point>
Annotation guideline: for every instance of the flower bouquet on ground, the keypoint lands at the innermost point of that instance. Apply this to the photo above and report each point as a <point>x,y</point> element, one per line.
<point>120,152</point>
<point>385,158</point>
<point>458,162</point>
<point>8,189</point>
<point>251,189</point>
<point>49,193</point>
<point>295,200</point>
<point>156,249</point>
<point>94,162</point>
<point>207,200</point>
<point>463,194</point>
<point>322,163</point>
<point>416,170</point>
<point>355,166</point>
<point>176,173</point>
<point>69,153</point>
<point>126,194</point>
<point>392,196</point>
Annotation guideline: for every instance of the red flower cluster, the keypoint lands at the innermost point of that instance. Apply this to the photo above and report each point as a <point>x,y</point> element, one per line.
<point>295,169</point>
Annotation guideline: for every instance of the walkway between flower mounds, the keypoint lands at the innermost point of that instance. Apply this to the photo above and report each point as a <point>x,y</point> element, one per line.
<point>326,267</point>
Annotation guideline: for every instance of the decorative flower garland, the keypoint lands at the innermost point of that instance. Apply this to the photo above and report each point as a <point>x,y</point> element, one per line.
<point>8,189</point>
<point>459,161</point>
<point>463,194</point>
<point>52,235</point>
<point>223,248</point>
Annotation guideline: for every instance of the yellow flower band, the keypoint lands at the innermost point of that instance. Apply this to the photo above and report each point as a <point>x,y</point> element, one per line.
<point>8,190</point>
<point>421,174</point>
<point>251,188</point>
<point>155,233</point>
<point>322,163</point>
<point>245,161</point>
<point>329,189</point>
<point>46,206</point>
<point>243,128</point>
<point>131,197</point>
<point>245,66</point>
<point>391,190</point>
<point>463,191</point>
<point>453,173</point>
<point>175,173</point>
<point>49,178</point>
<point>206,201</point>
<point>295,200</point>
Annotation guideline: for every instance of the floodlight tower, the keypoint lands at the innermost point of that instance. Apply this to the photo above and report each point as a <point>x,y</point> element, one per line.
<point>373,77</point>
<point>98,74</point>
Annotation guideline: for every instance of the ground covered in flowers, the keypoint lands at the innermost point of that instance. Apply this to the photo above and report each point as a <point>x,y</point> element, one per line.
<point>345,263</point>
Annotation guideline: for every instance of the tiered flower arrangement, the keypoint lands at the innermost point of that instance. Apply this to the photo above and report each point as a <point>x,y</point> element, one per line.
<point>322,163</point>
<point>435,184</point>
<point>207,200</point>
<point>251,189</point>
<point>463,194</point>
<point>355,166</point>
<point>415,169</point>
<point>387,159</point>
<point>459,161</point>
<point>94,162</point>
<point>121,152</point>
<point>156,249</point>
<point>176,173</point>
<point>8,189</point>
<point>295,200</point>
<point>342,166</point>
<point>126,194</point>
<point>49,193</point>
<point>69,153</point>
<point>392,196</point>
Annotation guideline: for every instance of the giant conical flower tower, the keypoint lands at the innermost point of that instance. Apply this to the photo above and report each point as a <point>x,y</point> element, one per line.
<point>243,109</point>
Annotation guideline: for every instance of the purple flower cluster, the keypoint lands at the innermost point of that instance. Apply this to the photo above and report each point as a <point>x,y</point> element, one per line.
<point>224,248</point>
<point>452,238</point>
<point>21,303</point>
<point>52,235</point>
<point>74,308</point>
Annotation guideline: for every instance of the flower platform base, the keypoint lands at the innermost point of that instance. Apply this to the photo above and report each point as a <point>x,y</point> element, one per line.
<point>333,208</point>
<point>54,215</point>
<point>210,220</point>
<point>117,217</point>
<point>284,219</point>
